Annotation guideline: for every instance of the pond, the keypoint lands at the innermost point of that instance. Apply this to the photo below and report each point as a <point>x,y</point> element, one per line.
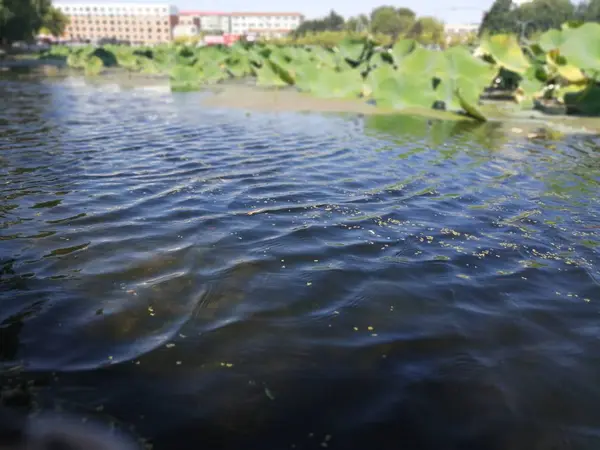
<point>216,277</point>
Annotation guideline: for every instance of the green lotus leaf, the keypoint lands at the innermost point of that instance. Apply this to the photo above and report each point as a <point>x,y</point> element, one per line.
<point>185,78</point>
<point>505,50</point>
<point>93,65</point>
<point>551,39</point>
<point>586,101</point>
<point>352,49</point>
<point>426,63</point>
<point>212,72</point>
<point>400,90</point>
<point>582,47</point>
<point>470,106</point>
<point>267,77</point>
<point>401,49</point>
<point>76,61</point>
<point>329,83</point>
<point>282,68</point>
<point>323,57</point>
<point>460,70</point>
<point>238,65</point>
<point>559,64</point>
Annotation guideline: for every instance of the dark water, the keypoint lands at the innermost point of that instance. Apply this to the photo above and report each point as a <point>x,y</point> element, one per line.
<point>215,279</point>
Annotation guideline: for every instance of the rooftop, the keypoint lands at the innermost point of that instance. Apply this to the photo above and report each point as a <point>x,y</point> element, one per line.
<point>249,13</point>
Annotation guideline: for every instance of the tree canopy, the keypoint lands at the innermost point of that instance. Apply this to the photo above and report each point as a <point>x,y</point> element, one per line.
<point>383,20</point>
<point>535,16</point>
<point>20,20</point>
<point>392,21</point>
<point>331,22</point>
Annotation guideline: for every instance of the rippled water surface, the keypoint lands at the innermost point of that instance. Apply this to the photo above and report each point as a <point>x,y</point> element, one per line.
<point>222,279</point>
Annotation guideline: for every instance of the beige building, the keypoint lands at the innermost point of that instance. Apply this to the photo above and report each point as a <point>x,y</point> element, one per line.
<point>460,32</point>
<point>264,23</point>
<point>136,23</point>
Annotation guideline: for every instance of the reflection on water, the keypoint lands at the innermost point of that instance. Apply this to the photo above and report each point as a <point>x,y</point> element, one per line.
<point>218,279</point>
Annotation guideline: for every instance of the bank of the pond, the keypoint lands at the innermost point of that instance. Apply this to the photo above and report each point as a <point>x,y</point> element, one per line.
<point>244,94</point>
<point>515,121</point>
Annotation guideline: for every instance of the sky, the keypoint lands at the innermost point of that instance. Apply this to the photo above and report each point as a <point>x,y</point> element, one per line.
<point>450,11</point>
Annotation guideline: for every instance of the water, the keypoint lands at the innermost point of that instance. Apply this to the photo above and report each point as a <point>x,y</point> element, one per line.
<point>216,279</point>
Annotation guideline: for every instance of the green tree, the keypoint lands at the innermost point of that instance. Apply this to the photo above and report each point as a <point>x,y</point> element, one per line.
<point>21,19</point>
<point>331,22</point>
<point>358,23</point>
<point>427,30</point>
<point>55,22</point>
<point>588,11</point>
<point>542,15</point>
<point>392,21</point>
<point>499,18</point>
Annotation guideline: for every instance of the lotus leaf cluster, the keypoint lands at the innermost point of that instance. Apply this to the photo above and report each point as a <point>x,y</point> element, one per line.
<point>562,66</point>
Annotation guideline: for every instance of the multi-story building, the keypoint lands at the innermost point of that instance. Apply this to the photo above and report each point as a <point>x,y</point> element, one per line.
<point>136,23</point>
<point>460,32</point>
<point>273,24</point>
<point>209,22</point>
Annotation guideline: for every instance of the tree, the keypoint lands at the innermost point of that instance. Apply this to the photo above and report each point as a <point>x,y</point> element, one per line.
<point>392,21</point>
<point>427,30</point>
<point>21,19</point>
<point>358,23</point>
<point>331,22</point>
<point>499,18</point>
<point>55,22</point>
<point>588,11</point>
<point>406,12</point>
<point>542,15</point>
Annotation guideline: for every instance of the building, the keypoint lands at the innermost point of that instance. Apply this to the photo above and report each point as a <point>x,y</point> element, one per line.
<point>208,21</point>
<point>136,23</point>
<point>460,32</point>
<point>271,24</point>
<point>186,31</point>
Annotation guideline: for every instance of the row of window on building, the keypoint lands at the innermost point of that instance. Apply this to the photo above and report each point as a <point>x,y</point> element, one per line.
<point>78,10</point>
<point>152,23</point>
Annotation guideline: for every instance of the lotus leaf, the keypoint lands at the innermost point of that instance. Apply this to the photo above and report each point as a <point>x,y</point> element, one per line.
<point>423,63</point>
<point>399,90</point>
<point>470,107</point>
<point>401,49</point>
<point>185,78</point>
<point>108,58</point>
<point>353,50</point>
<point>328,83</point>
<point>461,70</point>
<point>282,68</point>
<point>586,101</point>
<point>551,39</point>
<point>505,50</point>
<point>582,47</point>
<point>558,63</point>
<point>93,65</point>
<point>267,77</point>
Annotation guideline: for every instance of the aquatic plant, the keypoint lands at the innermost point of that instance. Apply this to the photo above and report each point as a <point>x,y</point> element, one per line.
<point>560,68</point>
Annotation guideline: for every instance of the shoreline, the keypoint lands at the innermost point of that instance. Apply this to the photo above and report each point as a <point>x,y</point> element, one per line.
<point>242,95</point>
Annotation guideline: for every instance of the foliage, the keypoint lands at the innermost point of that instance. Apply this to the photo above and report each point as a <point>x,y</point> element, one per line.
<point>55,22</point>
<point>562,67</point>
<point>392,21</point>
<point>427,30</point>
<point>388,23</point>
<point>529,18</point>
<point>329,38</point>
<point>21,19</point>
<point>331,22</point>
